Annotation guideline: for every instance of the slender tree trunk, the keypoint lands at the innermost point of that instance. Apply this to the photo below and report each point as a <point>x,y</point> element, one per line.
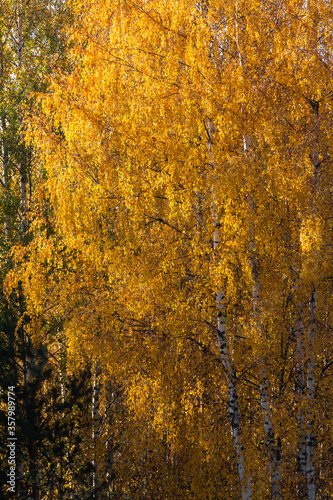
<point>62,371</point>
<point>301,419</point>
<point>273,451</point>
<point>109,454</point>
<point>246,490</point>
<point>236,429</point>
<point>313,50</point>
<point>4,168</point>
<point>234,414</point>
<point>96,421</point>
<point>311,437</point>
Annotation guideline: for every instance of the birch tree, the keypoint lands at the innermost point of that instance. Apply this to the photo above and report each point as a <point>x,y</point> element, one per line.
<point>132,184</point>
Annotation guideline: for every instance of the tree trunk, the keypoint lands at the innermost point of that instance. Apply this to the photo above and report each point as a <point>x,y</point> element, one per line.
<point>4,169</point>
<point>272,450</point>
<point>96,423</point>
<point>301,420</point>
<point>229,370</point>
<point>236,430</point>
<point>311,438</point>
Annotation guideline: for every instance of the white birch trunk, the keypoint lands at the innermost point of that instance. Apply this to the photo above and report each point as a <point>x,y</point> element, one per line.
<point>272,451</point>
<point>4,168</point>
<point>311,438</point>
<point>96,421</point>
<point>234,414</point>
<point>236,430</point>
<point>313,38</point>
<point>301,419</point>
<point>108,454</point>
<point>4,154</point>
<point>62,372</point>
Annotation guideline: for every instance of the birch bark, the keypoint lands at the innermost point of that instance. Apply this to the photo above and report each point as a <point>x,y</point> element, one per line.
<point>273,452</point>
<point>96,418</point>
<point>311,437</point>
<point>230,373</point>
<point>4,167</point>
<point>313,13</point>
<point>236,429</point>
<point>301,419</point>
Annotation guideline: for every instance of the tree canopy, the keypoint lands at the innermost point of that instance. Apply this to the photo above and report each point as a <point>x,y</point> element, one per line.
<point>178,244</point>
